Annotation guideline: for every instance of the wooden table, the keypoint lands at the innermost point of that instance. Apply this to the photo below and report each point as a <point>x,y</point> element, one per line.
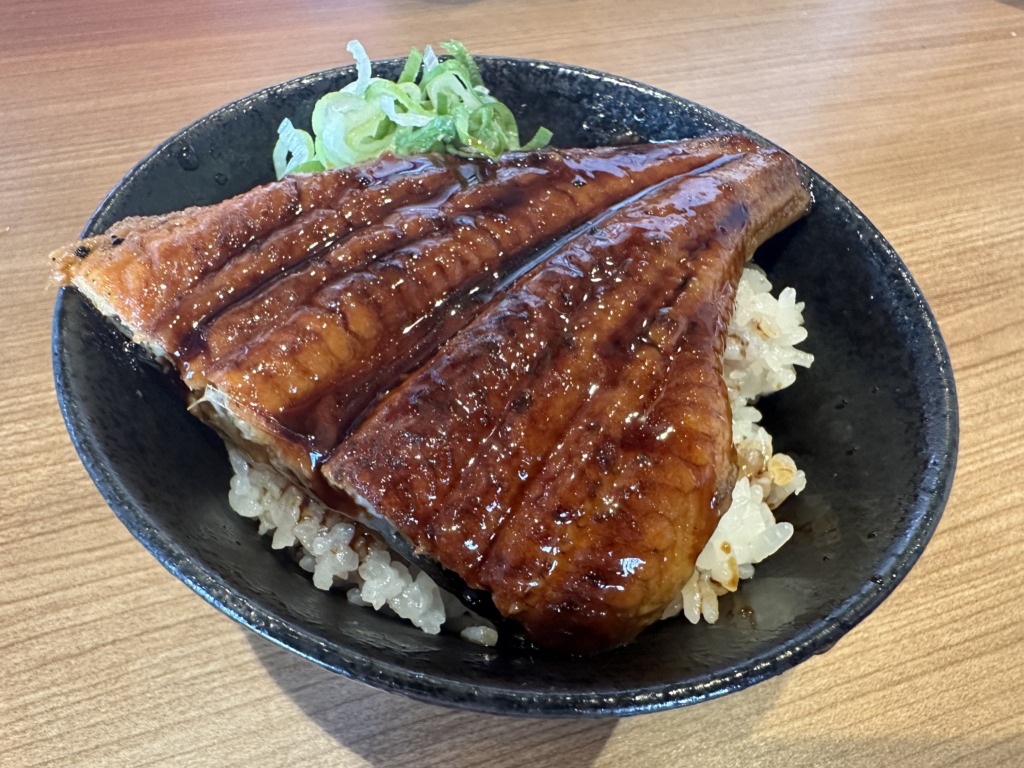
<point>914,110</point>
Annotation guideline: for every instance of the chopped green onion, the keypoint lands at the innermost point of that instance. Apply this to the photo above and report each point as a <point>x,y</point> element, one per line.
<point>448,110</point>
<point>294,151</point>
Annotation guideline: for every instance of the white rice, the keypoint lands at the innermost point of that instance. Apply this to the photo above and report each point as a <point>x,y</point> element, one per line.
<point>326,546</point>
<point>759,359</point>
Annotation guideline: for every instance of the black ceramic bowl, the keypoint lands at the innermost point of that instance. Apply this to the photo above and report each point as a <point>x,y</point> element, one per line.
<point>873,423</point>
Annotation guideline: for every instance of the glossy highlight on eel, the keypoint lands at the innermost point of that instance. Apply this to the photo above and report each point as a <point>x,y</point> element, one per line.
<point>515,365</point>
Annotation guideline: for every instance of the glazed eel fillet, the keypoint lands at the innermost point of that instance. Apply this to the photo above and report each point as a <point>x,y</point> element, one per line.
<point>570,451</point>
<point>516,364</point>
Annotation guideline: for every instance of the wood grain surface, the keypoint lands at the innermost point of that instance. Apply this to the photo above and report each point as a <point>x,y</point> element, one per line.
<point>914,110</point>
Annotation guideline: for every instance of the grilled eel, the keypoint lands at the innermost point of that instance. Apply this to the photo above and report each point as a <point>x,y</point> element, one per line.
<point>562,440</point>
<point>570,451</point>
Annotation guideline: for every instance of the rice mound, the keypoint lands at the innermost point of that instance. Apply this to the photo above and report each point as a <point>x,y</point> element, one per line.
<point>342,554</point>
<point>760,359</point>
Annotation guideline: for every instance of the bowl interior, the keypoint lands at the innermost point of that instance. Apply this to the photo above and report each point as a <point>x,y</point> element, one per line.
<point>873,423</point>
